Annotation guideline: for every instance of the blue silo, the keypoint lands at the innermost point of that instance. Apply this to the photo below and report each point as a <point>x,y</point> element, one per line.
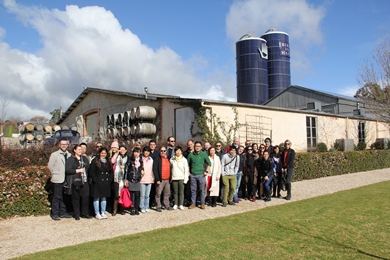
<point>279,75</point>
<point>252,72</point>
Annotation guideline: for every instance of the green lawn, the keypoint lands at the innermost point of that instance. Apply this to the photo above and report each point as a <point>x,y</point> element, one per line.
<point>352,224</point>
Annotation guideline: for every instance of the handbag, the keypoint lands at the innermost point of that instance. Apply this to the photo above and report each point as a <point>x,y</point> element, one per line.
<point>68,185</point>
<point>124,198</point>
<point>209,182</point>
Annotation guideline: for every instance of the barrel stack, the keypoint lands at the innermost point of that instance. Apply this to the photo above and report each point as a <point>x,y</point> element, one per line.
<point>136,125</point>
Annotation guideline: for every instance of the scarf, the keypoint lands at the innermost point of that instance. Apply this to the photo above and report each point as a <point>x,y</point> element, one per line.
<point>178,158</point>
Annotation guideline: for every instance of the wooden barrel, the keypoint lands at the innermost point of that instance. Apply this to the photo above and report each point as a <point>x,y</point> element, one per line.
<point>114,119</point>
<point>29,127</point>
<point>133,113</point>
<point>47,128</point>
<point>146,112</point>
<point>108,133</point>
<point>22,137</point>
<point>56,128</point>
<point>126,131</point>
<point>108,121</point>
<point>132,129</point>
<point>65,127</point>
<point>127,117</point>
<point>39,127</point>
<point>73,127</point>
<point>146,129</point>
<point>47,136</point>
<point>120,131</point>
<point>39,137</point>
<point>120,120</point>
<point>143,141</point>
<point>114,132</point>
<point>29,137</point>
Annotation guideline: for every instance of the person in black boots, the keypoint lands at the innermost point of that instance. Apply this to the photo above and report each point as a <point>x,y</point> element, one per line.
<point>134,171</point>
<point>249,171</point>
<point>267,174</point>
<point>277,182</point>
<point>288,157</point>
<point>77,166</point>
<point>213,177</point>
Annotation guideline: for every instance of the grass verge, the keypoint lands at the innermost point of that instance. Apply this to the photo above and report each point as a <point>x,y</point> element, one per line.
<point>351,224</point>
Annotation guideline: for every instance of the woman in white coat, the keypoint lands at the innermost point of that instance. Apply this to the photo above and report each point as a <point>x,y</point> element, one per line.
<point>180,172</point>
<point>213,176</point>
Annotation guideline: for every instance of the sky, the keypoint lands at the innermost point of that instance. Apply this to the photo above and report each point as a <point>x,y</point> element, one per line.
<point>51,50</point>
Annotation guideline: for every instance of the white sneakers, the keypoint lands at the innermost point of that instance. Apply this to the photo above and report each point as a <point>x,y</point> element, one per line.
<point>147,210</point>
<point>181,207</point>
<point>175,207</point>
<point>100,216</point>
<point>143,211</point>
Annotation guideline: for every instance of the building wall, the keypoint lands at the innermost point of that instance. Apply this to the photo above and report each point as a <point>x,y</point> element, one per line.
<point>292,125</point>
<point>103,104</point>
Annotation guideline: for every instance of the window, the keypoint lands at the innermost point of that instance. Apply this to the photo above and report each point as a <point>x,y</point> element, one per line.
<point>311,132</point>
<point>362,132</point>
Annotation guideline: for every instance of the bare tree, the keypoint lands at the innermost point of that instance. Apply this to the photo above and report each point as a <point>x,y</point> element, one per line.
<point>374,82</point>
<point>4,110</point>
<point>4,104</point>
<point>39,119</point>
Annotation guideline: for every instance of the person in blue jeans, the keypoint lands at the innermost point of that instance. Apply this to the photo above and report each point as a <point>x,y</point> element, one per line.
<point>267,174</point>
<point>241,156</point>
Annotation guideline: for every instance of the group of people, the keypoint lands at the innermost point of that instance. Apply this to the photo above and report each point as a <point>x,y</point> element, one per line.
<point>169,178</point>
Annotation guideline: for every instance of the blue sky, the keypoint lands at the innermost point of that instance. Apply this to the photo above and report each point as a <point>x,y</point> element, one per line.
<point>50,50</point>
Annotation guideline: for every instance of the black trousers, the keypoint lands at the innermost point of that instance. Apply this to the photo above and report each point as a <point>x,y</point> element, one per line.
<point>135,198</point>
<point>80,193</point>
<point>250,186</point>
<point>58,207</point>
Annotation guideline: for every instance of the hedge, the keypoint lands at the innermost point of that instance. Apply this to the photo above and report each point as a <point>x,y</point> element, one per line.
<point>25,190</point>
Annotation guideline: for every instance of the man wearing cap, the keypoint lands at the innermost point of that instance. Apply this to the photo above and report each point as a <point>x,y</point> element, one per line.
<point>56,166</point>
<point>230,163</point>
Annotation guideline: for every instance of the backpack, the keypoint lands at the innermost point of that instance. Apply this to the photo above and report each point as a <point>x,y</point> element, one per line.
<point>124,198</point>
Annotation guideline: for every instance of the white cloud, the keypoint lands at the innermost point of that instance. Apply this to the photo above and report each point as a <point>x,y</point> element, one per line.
<point>298,18</point>
<point>88,47</point>
<point>348,90</point>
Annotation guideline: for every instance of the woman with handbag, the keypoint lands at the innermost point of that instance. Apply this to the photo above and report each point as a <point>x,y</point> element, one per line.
<point>213,176</point>
<point>77,168</point>
<point>101,174</point>
<point>134,171</point>
<point>119,177</point>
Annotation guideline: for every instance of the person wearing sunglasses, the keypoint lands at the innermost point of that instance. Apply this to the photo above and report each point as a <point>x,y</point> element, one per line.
<point>162,179</point>
<point>288,157</point>
<point>171,147</point>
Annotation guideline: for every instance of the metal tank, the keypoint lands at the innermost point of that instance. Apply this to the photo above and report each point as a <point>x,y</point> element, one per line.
<point>279,75</point>
<point>252,72</point>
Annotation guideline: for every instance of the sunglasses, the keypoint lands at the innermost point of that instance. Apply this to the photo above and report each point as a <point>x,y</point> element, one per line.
<point>163,151</point>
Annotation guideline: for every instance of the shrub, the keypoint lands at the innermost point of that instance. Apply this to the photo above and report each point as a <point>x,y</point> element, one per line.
<point>321,147</point>
<point>336,146</point>
<point>361,146</point>
<point>377,145</point>
<point>24,190</point>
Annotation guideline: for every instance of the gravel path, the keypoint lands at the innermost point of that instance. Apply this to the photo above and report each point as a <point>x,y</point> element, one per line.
<point>20,236</point>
